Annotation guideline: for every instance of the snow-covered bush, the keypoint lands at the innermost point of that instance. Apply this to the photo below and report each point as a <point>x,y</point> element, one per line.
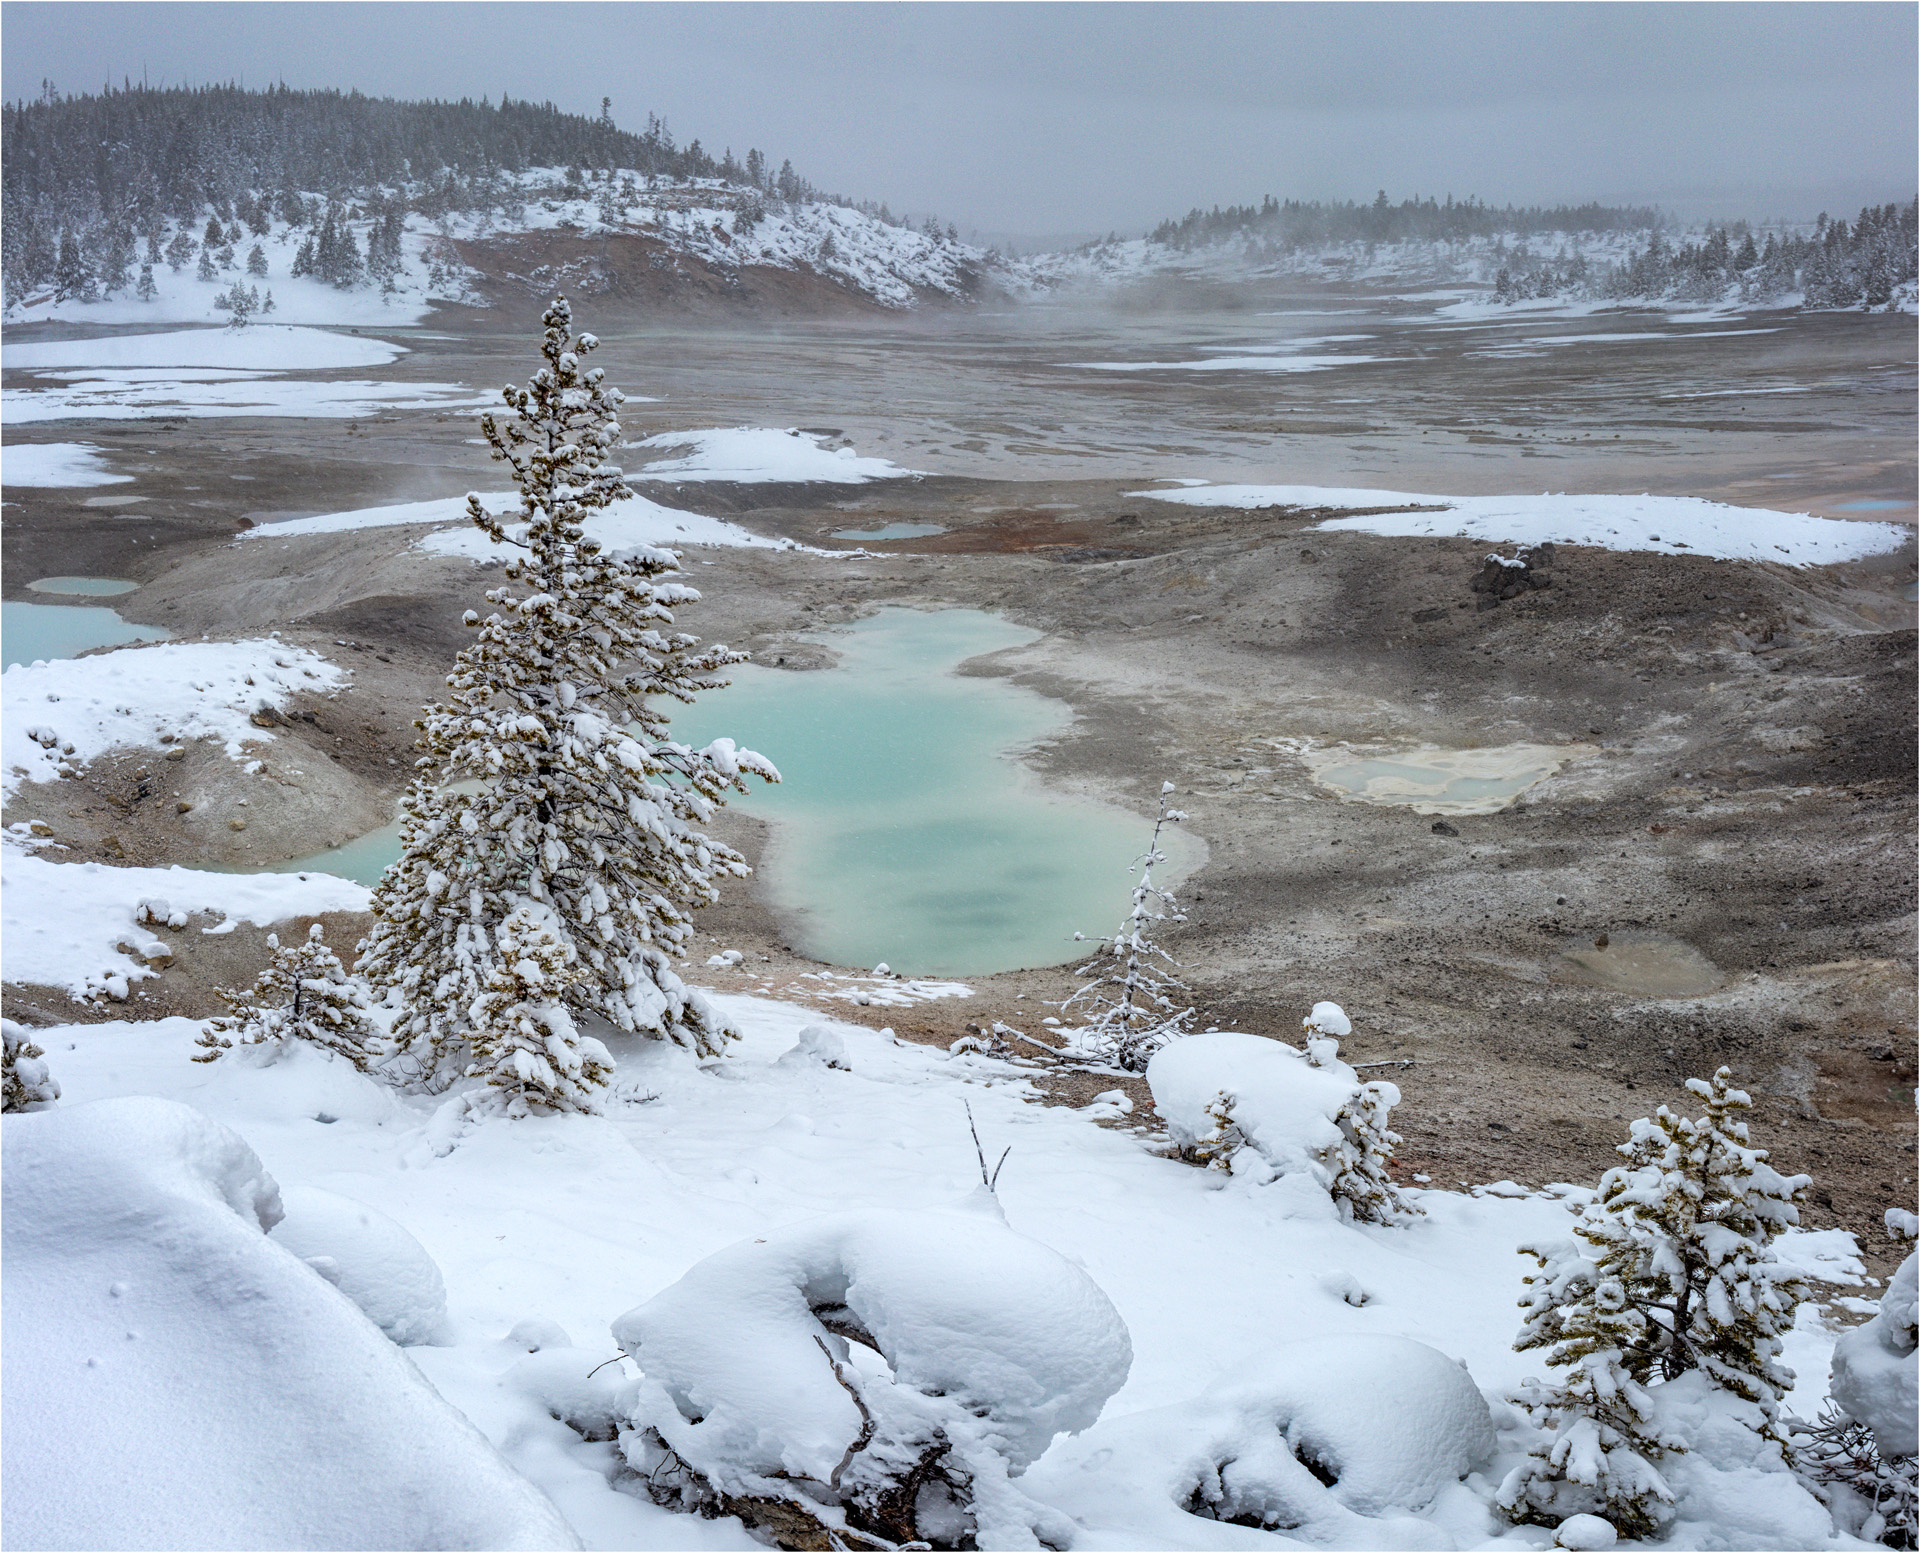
<point>368,1258</point>
<point>1860,1456</point>
<point>29,1086</point>
<point>581,801</point>
<point>1876,1367</point>
<point>304,994</point>
<point>523,1040</point>
<point>1337,1441</point>
<point>1684,1280</point>
<point>1873,1496</point>
<point>1265,1110</point>
<point>1134,1007</point>
<point>889,1373</point>
<point>175,1379</point>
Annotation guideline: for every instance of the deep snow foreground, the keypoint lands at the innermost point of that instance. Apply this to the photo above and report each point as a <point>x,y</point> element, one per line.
<point>547,1230</point>
<point>177,1379</point>
<point>1669,525</point>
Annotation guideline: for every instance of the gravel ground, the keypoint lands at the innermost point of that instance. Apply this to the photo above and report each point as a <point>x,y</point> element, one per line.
<point>1738,793</point>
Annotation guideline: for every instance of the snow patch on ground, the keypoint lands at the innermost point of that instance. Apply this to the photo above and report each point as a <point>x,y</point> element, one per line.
<point>205,372</point>
<point>1261,363</point>
<point>67,711</point>
<point>76,925</point>
<point>134,395</point>
<point>753,455</point>
<point>636,523</point>
<point>446,509</point>
<point>258,348</point>
<point>1666,525</point>
<point>48,465</point>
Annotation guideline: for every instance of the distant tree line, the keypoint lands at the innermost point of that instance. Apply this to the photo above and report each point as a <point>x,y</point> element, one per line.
<point>1289,224</point>
<point>91,185</point>
<point>1837,264</point>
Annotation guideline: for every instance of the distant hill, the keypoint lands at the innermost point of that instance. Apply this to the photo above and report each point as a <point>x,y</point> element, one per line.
<point>158,202</point>
<point>1575,253</point>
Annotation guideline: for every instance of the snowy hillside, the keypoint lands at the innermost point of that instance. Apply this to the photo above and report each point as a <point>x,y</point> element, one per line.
<point>1824,265</point>
<point>388,264</point>
<point>1474,261</point>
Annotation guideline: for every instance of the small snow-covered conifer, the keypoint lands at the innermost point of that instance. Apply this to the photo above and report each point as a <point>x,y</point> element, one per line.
<point>146,291</point>
<point>29,1086</point>
<point>303,994</point>
<point>584,804</point>
<point>1135,1007</point>
<point>1684,1278</point>
<point>524,1042</point>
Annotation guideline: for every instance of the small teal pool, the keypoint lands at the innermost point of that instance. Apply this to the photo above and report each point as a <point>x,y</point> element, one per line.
<point>904,830</point>
<point>94,587</point>
<point>1873,506</point>
<point>891,531</point>
<point>363,859</point>
<point>30,632</point>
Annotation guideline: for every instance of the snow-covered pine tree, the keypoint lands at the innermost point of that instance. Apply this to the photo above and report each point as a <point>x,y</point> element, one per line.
<point>303,994</point>
<point>583,802</point>
<point>1601,1449</point>
<point>1134,1005</point>
<point>28,1085</point>
<point>72,276</point>
<point>524,1042</point>
<point>145,290</point>
<point>1685,1278</point>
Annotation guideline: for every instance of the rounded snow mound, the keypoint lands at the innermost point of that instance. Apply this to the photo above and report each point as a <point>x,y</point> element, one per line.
<point>1284,1105</point>
<point>1876,1374</point>
<point>369,1258</point>
<point>176,1379</point>
<point>955,1301</point>
<point>1337,1442</point>
<point>903,1367</point>
<point>1385,1422</point>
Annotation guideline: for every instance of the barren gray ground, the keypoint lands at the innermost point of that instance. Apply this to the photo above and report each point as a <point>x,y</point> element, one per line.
<point>1748,797</point>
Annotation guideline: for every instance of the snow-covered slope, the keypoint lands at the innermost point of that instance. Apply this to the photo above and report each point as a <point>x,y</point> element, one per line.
<point>629,230</point>
<point>547,1230</point>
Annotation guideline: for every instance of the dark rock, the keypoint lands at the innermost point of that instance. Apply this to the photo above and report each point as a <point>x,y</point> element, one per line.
<point>1507,577</point>
<point>1442,828</point>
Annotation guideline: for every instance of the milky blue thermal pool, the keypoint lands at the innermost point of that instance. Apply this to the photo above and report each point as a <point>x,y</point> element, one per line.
<point>904,831</point>
<point>891,531</point>
<point>30,632</point>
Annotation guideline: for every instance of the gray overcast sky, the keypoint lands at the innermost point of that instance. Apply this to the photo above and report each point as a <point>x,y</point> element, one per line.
<point>1045,120</point>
